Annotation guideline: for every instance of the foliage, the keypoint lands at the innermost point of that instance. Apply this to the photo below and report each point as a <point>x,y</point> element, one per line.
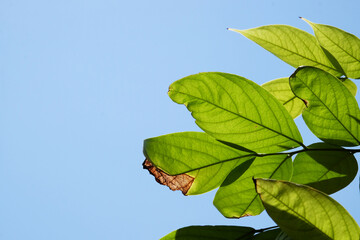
<point>251,148</point>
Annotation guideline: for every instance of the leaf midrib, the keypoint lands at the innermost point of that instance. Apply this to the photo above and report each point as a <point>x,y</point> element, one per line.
<point>322,64</point>
<point>271,175</point>
<point>297,214</point>
<point>328,170</point>
<point>226,110</point>
<point>211,164</point>
<point>338,120</point>
<point>358,60</point>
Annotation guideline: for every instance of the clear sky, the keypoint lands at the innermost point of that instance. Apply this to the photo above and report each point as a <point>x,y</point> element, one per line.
<point>83,83</point>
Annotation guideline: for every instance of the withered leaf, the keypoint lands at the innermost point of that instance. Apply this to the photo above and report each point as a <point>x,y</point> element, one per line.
<point>180,182</point>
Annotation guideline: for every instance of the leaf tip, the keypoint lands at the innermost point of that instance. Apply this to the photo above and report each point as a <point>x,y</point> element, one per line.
<point>233,30</point>
<point>304,19</point>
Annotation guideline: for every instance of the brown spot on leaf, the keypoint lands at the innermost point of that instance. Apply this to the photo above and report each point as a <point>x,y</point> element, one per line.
<point>180,182</point>
<point>306,102</point>
<point>246,215</point>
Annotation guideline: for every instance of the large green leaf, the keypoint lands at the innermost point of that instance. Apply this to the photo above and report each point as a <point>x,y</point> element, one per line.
<point>236,110</point>
<point>293,46</point>
<point>282,236</point>
<point>237,197</point>
<point>211,232</point>
<point>281,90</point>
<point>306,213</point>
<point>328,170</point>
<point>333,113</point>
<point>345,47</point>
<point>197,155</point>
<point>268,235</point>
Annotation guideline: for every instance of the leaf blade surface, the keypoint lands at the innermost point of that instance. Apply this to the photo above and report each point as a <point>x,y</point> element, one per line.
<point>306,213</point>
<point>236,110</point>
<point>196,155</point>
<point>237,197</point>
<point>344,46</point>
<point>281,90</point>
<point>333,113</point>
<point>211,232</point>
<point>292,45</point>
<point>328,171</point>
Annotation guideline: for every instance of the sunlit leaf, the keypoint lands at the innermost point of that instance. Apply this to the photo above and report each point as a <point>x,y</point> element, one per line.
<point>306,213</point>
<point>237,197</point>
<point>328,171</point>
<point>350,85</point>
<point>211,232</point>
<point>345,47</point>
<point>281,90</point>
<point>194,154</point>
<point>236,110</point>
<point>293,46</point>
<point>332,113</point>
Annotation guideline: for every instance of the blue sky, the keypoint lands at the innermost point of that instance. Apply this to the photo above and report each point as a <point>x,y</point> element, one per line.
<point>83,83</point>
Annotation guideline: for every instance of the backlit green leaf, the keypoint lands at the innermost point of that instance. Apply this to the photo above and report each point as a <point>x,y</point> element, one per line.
<point>293,46</point>
<point>197,155</point>
<point>328,171</point>
<point>281,90</point>
<point>332,113</point>
<point>306,213</point>
<point>211,232</point>
<point>236,110</point>
<point>350,85</point>
<point>237,197</point>
<point>345,47</point>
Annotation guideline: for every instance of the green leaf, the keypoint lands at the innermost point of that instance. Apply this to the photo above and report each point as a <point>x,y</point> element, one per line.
<point>197,155</point>
<point>328,171</point>
<point>351,86</point>
<point>236,110</point>
<point>268,235</point>
<point>237,197</point>
<point>280,89</point>
<point>306,213</point>
<point>345,47</point>
<point>211,232</point>
<point>282,236</point>
<point>293,46</point>
<point>332,113</point>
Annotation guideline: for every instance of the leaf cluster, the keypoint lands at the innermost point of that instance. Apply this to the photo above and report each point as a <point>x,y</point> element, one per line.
<point>251,148</point>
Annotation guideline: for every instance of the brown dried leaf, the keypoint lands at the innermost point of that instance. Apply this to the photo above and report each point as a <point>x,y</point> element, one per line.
<point>180,182</point>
